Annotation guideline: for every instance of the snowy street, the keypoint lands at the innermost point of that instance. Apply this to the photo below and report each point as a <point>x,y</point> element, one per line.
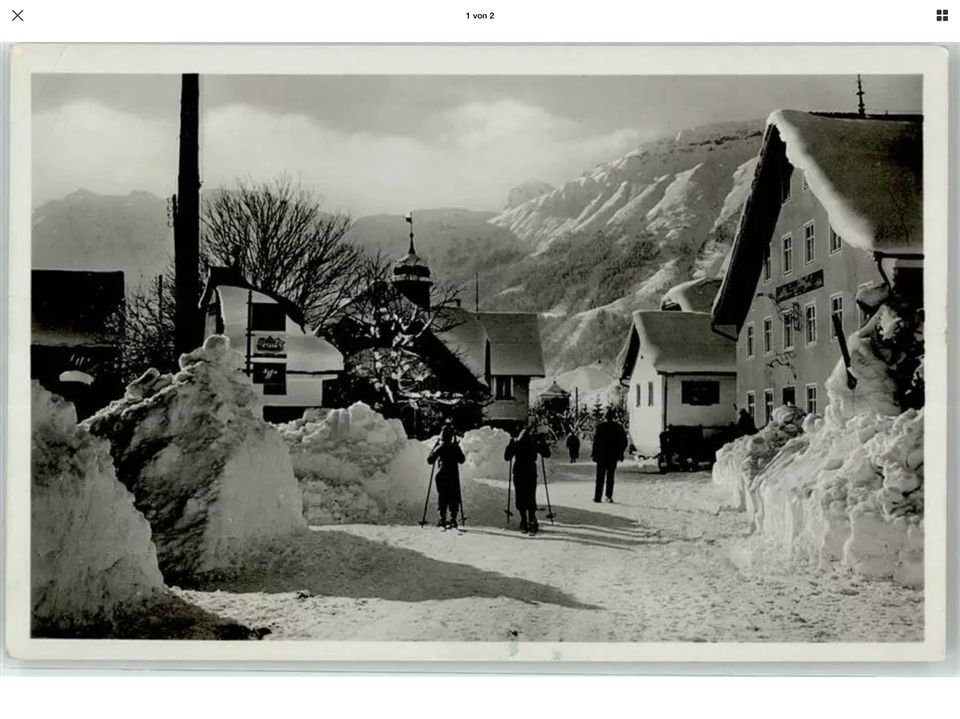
<point>658,565</point>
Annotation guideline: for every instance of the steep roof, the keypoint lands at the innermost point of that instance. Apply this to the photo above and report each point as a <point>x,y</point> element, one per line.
<point>234,278</point>
<point>514,339</point>
<point>677,342</point>
<point>692,296</point>
<point>498,343</point>
<point>75,307</point>
<point>866,172</point>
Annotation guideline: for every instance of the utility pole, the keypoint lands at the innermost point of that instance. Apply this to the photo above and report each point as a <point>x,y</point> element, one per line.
<point>476,296</point>
<point>186,220</point>
<point>860,108</point>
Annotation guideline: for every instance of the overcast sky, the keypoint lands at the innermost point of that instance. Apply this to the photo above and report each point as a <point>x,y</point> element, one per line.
<point>392,144</point>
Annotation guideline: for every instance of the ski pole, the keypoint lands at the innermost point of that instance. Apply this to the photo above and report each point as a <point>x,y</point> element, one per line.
<point>426,502</point>
<point>546,488</point>
<point>509,475</point>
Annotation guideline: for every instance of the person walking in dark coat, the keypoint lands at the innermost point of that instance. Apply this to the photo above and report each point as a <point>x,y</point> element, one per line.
<point>609,444</point>
<point>449,455</point>
<point>525,450</point>
<point>745,424</point>
<point>573,446</point>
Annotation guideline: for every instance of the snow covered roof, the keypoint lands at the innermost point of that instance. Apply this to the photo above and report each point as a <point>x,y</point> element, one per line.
<point>866,172</point>
<point>677,342</point>
<point>495,343</point>
<point>231,277</point>
<point>692,296</point>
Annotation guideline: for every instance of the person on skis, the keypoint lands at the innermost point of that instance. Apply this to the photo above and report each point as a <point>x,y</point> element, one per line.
<point>449,456</point>
<point>524,450</point>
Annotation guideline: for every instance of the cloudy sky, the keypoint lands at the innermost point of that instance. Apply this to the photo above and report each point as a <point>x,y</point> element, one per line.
<point>392,144</point>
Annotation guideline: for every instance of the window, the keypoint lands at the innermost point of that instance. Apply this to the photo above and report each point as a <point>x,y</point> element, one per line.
<point>810,315</point>
<point>789,395</point>
<point>836,310</point>
<point>748,340</point>
<point>811,398</point>
<point>788,331</point>
<point>787,251</point>
<point>272,375</point>
<point>767,263</point>
<point>699,393</point>
<point>752,404</point>
<point>834,241</point>
<point>650,394</point>
<point>767,405</point>
<point>639,400</point>
<point>767,334</point>
<point>785,185</point>
<point>864,314</point>
<point>809,243</point>
<point>267,317</point>
<point>503,387</point>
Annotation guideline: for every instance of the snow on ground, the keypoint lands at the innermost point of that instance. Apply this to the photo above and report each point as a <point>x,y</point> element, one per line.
<point>93,568</point>
<point>203,426</point>
<point>656,566</point>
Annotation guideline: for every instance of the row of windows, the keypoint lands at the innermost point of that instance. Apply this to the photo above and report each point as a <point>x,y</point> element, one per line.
<point>788,396</point>
<point>788,326</point>
<point>786,250</point>
<point>693,392</point>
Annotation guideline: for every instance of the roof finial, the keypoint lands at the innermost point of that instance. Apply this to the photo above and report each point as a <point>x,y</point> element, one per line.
<point>860,108</point>
<point>409,218</point>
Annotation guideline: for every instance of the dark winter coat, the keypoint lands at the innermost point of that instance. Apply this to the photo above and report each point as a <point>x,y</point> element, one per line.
<point>449,456</point>
<point>609,443</point>
<point>745,424</point>
<point>573,444</point>
<point>525,452</point>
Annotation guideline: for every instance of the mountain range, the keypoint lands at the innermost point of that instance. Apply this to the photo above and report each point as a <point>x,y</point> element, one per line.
<point>585,254</point>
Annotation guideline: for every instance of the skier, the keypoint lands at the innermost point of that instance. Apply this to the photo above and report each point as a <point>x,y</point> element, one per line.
<point>524,450</point>
<point>609,444</point>
<point>450,456</point>
<point>573,446</point>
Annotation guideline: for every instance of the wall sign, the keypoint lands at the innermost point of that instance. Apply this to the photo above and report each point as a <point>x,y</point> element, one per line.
<point>270,345</point>
<point>807,283</point>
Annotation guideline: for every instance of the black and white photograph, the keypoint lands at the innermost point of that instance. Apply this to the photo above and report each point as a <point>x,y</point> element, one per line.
<point>502,359</point>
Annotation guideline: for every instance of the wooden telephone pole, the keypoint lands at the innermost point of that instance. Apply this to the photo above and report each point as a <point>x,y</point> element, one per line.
<point>186,221</point>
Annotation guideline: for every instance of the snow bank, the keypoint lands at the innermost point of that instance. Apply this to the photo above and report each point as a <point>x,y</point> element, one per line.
<point>354,465</point>
<point>91,555</point>
<point>209,474</point>
<point>741,461</point>
<point>847,491</point>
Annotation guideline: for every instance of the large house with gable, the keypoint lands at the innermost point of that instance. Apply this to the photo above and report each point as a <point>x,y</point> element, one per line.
<point>836,206</point>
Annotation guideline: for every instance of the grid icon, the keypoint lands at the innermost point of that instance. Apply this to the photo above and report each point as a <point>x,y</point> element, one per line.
<point>943,15</point>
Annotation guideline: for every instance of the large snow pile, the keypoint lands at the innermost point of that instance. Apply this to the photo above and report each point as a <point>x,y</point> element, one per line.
<point>91,554</point>
<point>848,491</point>
<point>210,475</point>
<point>355,466</point>
<point>741,461</point>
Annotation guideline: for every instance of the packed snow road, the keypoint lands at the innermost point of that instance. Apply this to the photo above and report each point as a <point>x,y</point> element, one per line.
<point>663,563</point>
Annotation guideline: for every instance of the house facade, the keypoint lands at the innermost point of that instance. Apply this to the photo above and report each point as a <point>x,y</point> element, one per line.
<point>816,229</point>
<point>679,374</point>
<point>293,369</point>
<point>76,335</point>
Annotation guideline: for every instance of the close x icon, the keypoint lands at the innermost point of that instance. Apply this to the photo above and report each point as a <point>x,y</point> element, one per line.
<point>16,15</point>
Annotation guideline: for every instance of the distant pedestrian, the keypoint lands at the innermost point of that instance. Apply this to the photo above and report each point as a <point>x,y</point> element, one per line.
<point>609,444</point>
<point>745,424</point>
<point>525,450</point>
<point>573,446</point>
<point>449,455</point>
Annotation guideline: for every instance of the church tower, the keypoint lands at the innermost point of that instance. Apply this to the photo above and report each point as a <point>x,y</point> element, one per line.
<point>411,275</point>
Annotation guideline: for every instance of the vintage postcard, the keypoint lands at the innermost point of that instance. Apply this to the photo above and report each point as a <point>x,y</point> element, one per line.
<point>529,354</point>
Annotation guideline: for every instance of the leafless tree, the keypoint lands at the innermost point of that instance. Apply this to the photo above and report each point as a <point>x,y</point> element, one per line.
<point>278,237</point>
<point>147,328</point>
